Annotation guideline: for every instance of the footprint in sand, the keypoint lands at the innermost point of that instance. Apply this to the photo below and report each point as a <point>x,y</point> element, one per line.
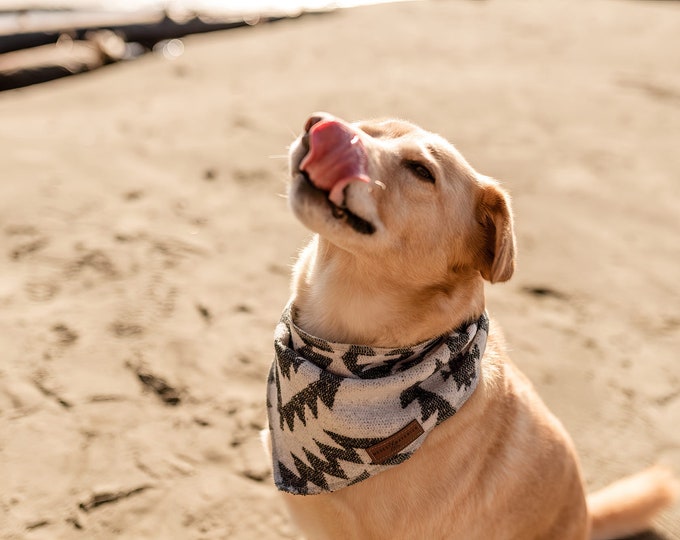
<point>41,291</point>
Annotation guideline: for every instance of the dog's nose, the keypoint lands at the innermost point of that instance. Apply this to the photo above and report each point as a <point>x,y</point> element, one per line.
<point>315,119</point>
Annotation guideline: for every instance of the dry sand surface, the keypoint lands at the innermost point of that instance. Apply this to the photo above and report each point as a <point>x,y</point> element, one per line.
<point>145,246</point>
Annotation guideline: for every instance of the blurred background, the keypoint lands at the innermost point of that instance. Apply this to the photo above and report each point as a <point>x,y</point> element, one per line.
<point>146,245</point>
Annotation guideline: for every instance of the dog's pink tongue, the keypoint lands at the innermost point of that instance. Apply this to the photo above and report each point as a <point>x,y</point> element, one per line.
<point>336,157</point>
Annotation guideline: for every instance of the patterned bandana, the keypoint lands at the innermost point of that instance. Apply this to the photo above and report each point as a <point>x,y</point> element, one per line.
<point>339,414</point>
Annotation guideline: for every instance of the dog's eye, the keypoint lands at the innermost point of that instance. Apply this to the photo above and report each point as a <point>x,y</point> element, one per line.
<point>420,170</point>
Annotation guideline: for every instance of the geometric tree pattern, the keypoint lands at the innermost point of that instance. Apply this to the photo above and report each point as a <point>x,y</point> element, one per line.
<point>330,403</point>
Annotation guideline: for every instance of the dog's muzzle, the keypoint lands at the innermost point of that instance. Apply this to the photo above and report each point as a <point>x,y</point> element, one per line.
<point>335,158</point>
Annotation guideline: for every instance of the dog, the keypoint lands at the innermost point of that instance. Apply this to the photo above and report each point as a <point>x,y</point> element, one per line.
<point>394,410</point>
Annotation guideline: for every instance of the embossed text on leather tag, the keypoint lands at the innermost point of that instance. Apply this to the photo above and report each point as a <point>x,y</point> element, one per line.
<point>392,445</point>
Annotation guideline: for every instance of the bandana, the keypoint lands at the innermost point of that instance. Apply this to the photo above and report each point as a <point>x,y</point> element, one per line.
<point>339,414</point>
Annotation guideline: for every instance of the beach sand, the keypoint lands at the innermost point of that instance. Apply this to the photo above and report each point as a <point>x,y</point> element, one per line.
<point>145,246</point>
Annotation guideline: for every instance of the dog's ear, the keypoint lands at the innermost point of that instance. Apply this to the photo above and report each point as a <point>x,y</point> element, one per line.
<point>496,261</point>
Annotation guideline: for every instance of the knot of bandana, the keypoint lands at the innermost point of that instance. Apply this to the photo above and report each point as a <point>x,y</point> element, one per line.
<point>339,414</point>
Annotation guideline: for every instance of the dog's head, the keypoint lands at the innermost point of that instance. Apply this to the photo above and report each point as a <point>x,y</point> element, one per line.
<point>401,198</point>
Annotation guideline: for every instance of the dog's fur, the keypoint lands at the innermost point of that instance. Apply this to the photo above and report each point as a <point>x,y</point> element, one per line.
<point>503,467</point>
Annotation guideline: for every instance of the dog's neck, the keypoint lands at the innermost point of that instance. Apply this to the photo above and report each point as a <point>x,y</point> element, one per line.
<point>337,299</point>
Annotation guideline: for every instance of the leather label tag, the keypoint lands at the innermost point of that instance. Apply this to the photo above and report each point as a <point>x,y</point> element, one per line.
<point>392,445</point>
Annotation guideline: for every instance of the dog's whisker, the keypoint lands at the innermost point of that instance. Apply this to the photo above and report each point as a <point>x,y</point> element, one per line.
<point>380,184</point>
<point>278,156</point>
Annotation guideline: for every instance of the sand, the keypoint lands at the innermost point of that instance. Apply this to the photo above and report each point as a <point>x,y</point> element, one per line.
<point>145,246</point>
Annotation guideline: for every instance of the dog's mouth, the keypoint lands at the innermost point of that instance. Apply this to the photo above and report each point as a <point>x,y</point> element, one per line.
<point>342,212</point>
<point>335,157</point>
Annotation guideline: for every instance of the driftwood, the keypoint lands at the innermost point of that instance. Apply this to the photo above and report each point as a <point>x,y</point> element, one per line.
<point>66,57</point>
<point>43,45</point>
